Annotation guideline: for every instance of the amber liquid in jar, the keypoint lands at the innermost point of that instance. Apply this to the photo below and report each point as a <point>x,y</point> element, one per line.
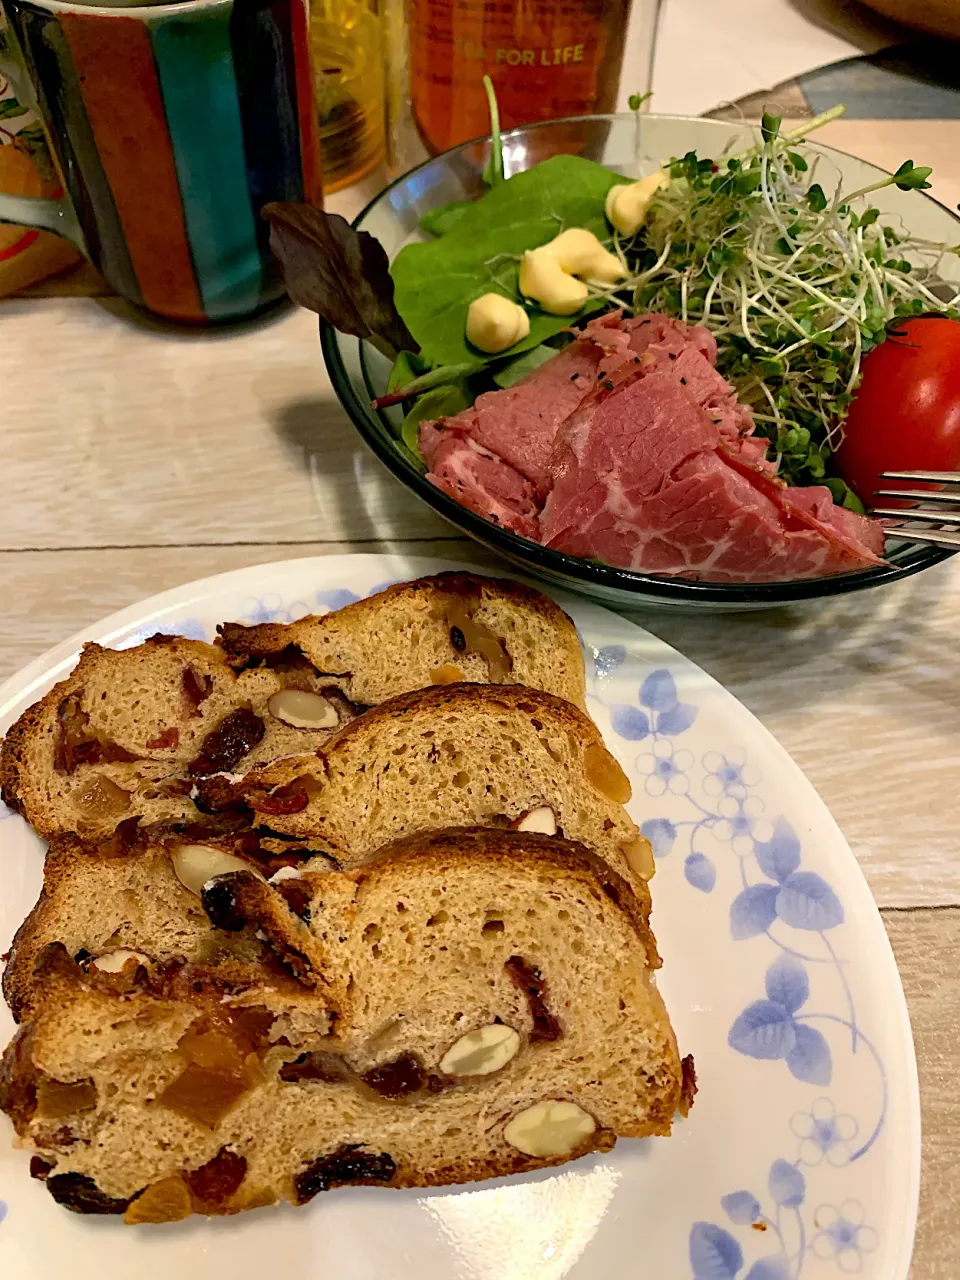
<point>546,58</point>
<point>347,65</point>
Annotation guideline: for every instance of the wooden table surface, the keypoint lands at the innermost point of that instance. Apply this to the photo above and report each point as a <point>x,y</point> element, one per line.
<point>136,457</point>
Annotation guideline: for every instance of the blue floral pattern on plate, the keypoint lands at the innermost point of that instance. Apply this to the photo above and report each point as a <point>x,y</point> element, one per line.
<point>814,1174</point>
<point>777,893</point>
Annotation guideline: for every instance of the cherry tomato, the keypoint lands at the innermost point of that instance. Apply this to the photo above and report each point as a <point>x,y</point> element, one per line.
<point>905,415</point>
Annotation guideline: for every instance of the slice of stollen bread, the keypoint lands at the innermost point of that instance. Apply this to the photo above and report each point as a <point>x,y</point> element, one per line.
<point>453,756</point>
<point>124,737</point>
<point>488,1009</point>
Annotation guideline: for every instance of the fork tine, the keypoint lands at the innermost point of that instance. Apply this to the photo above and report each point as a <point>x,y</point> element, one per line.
<point>925,477</point>
<point>917,495</point>
<point>950,541</point>
<point>949,518</point>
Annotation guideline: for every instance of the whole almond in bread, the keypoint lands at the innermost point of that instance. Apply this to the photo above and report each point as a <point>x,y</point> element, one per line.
<point>490,1011</point>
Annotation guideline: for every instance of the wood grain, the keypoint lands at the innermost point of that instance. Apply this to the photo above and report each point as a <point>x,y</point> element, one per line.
<point>55,593</point>
<point>863,692</point>
<point>927,947</point>
<point>121,430</point>
<point>149,435</point>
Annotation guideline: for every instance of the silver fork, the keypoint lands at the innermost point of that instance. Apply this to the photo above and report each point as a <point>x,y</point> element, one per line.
<point>945,516</point>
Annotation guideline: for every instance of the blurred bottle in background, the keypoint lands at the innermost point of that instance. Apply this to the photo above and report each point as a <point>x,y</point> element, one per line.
<point>348,70</point>
<point>546,58</point>
<point>402,142</point>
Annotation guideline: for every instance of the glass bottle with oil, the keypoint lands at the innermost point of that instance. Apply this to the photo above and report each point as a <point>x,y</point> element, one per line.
<point>349,88</point>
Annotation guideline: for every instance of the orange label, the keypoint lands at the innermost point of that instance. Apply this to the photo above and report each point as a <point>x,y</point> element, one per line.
<point>546,59</point>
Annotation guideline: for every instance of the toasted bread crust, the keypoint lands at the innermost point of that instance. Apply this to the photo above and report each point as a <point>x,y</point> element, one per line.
<point>11,756</point>
<point>465,698</point>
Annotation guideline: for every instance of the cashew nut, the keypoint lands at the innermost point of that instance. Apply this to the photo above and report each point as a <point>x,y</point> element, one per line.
<point>549,274</point>
<point>628,202</point>
<point>494,323</point>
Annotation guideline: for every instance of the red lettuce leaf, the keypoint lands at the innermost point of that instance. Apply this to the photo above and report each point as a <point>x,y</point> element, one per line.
<point>338,272</point>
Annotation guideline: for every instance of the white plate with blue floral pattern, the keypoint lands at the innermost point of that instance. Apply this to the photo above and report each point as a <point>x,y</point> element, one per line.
<point>801,1157</point>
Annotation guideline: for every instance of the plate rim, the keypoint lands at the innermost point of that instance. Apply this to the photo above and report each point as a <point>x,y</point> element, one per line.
<point>52,663</point>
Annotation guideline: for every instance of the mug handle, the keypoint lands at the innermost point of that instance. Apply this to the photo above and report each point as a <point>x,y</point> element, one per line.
<point>43,214</point>
<point>39,213</point>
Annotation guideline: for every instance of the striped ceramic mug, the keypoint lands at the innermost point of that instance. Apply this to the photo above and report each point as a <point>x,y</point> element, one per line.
<point>173,125</point>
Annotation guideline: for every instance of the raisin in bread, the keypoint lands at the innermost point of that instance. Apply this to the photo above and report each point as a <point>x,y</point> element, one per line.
<point>487,1009</point>
<point>123,738</point>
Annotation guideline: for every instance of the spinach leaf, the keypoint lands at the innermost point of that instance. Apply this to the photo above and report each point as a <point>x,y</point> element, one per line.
<point>437,222</point>
<point>338,272</point>
<point>844,496</point>
<point>407,366</point>
<point>400,388</point>
<point>512,371</point>
<point>441,402</point>
<point>437,281</point>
